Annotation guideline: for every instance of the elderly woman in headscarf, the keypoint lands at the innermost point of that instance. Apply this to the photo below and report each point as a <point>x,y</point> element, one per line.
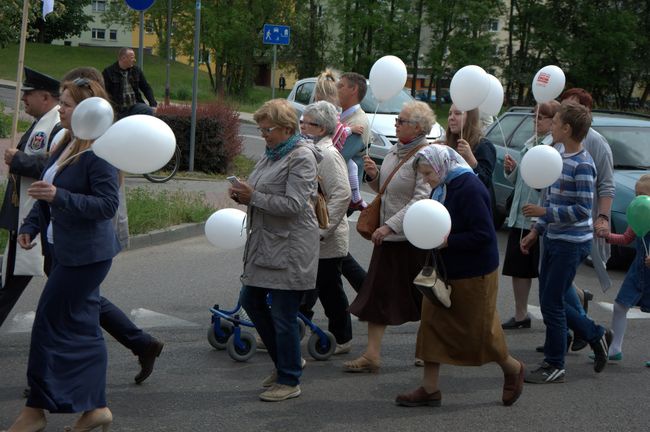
<point>468,333</point>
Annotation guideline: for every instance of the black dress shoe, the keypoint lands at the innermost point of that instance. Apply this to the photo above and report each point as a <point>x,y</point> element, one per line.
<point>587,296</point>
<point>147,360</point>
<point>513,324</point>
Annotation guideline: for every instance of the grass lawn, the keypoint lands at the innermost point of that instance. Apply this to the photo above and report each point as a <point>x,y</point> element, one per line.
<point>56,60</point>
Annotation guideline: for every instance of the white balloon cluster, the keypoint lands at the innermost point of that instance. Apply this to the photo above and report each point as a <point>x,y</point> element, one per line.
<point>137,144</point>
<point>471,87</point>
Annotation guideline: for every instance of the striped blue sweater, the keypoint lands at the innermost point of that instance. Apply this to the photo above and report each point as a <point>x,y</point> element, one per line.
<point>569,201</point>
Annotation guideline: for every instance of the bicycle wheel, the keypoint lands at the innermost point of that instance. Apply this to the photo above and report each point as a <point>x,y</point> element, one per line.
<point>168,171</point>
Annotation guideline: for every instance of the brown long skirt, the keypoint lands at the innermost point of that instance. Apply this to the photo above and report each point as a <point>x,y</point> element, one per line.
<point>388,295</point>
<point>469,332</point>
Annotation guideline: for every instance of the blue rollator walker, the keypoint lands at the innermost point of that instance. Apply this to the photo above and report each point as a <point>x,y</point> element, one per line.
<point>226,332</point>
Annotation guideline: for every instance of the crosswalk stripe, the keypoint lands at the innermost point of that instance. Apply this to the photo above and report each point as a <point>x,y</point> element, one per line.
<point>143,318</point>
<point>631,314</point>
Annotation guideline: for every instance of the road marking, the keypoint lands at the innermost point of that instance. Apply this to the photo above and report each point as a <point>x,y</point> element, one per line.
<point>21,322</point>
<point>252,137</point>
<point>634,313</point>
<point>143,318</point>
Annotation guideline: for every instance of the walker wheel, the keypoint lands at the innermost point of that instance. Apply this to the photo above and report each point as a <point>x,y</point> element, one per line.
<point>219,342</point>
<point>242,354</point>
<point>321,351</point>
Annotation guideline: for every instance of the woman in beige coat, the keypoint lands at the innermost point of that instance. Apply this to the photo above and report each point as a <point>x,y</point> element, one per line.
<point>281,254</point>
<point>388,296</point>
<point>319,123</point>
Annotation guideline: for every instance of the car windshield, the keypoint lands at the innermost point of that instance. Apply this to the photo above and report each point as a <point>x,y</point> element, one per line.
<point>630,145</point>
<point>391,106</point>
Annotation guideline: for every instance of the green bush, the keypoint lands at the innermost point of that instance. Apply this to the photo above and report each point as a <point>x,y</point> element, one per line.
<point>217,135</point>
<point>182,94</point>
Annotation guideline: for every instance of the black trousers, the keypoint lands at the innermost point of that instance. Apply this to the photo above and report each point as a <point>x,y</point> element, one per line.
<point>111,318</point>
<point>353,272</point>
<point>329,289</point>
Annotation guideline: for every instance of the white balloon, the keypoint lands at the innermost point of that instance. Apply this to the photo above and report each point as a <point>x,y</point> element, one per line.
<point>541,166</point>
<point>548,83</point>
<point>91,118</point>
<point>469,87</point>
<point>494,100</point>
<point>427,224</point>
<point>387,77</point>
<point>226,228</point>
<point>138,144</point>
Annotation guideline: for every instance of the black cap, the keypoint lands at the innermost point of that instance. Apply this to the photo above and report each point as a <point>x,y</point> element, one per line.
<point>37,81</point>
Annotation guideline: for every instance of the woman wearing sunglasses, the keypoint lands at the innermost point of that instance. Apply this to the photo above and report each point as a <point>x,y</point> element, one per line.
<point>77,199</point>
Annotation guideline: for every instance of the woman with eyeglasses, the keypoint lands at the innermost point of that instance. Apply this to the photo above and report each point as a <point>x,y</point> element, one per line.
<point>281,253</point>
<point>524,268</point>
<point>388,296</point>
<point>77,199</point>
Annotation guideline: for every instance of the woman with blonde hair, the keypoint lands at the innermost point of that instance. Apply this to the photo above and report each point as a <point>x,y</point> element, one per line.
<point>77,198</point>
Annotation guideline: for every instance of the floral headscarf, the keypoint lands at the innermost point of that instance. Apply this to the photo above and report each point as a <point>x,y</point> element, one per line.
<point>446,162</point>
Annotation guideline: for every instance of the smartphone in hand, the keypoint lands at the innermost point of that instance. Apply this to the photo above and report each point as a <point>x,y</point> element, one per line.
<point>233,180</point>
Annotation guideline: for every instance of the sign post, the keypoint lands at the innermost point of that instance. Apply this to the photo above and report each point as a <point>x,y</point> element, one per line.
<point>275,35</point>
<point>141,6</point>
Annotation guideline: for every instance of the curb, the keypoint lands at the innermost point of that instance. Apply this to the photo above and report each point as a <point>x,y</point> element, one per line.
<point>167,235</point>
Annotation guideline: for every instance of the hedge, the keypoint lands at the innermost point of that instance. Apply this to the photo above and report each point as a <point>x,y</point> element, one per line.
<point>217,135</point>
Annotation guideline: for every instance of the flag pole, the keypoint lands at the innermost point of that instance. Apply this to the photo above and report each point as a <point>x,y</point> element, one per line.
<point>19,73</point>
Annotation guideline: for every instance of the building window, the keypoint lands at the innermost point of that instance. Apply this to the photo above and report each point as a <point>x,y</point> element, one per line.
<point>493,25</point>
<point>112,35</point>
<point>99,5</point>
<point>99,33</point>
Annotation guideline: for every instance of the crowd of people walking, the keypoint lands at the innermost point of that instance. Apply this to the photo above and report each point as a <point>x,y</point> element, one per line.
<point>73,201</point>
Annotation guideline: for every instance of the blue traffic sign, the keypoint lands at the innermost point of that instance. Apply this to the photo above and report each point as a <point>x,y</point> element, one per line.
<point>276,34</point>
<point>139,5</point>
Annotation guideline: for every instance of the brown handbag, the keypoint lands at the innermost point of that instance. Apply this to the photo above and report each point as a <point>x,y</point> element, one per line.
<point>320,208</point>
<point>368,220</point>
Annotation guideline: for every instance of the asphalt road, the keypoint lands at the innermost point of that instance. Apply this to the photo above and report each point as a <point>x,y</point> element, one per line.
<point>167,290</point>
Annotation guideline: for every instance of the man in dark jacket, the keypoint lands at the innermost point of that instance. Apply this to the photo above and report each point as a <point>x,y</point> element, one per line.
<point>124,81</point>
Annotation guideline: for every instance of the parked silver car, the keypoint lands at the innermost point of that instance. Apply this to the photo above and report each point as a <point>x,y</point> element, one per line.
<point>382,124</point>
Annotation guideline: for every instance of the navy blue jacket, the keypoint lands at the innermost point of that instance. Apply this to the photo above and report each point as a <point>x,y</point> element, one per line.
<point>472,243</point>
<point>85,202</point>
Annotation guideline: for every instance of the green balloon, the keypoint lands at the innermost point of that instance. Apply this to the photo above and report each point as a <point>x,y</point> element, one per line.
<point>638,215</point>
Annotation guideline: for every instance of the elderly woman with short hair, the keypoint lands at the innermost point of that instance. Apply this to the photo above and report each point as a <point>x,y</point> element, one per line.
<point>319,123</point>
<point>281,253</point>
<point>388,296</point>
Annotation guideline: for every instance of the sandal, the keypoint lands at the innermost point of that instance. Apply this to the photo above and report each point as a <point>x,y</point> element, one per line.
<point>361,365</point>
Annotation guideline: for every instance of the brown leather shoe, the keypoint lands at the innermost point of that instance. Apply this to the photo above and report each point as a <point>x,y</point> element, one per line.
<point>147,360</point>
<point>419,397</point>
<point>513,385</point>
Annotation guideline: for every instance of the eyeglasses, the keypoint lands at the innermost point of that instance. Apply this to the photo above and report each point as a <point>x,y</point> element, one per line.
<point>401,121</point>
<point>309,123</point>
<point>266,131</point>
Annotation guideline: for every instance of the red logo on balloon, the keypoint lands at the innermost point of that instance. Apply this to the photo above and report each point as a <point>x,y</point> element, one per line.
<point>543,78</point>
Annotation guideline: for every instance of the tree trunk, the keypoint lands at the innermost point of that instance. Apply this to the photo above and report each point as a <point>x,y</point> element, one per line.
<point>416,49</point>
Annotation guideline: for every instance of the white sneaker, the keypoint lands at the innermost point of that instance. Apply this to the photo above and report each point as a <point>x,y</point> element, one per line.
<point>303,363</point>
<point>343,348</point>
<point>270,380</point>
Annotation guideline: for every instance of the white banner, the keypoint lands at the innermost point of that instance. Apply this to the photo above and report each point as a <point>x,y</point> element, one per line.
<point>48,6</point>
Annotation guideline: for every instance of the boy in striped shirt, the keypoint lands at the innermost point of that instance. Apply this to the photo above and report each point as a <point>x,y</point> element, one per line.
<point>565,223</point>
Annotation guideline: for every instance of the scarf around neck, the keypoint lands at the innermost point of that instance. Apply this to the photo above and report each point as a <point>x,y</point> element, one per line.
<point>282,149</point>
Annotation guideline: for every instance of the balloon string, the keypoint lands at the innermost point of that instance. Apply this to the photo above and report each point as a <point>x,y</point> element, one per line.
<point>75,155</point>
<point>505,144</point>
<point>372,122</point>
<point>461,124</point>
<point>535,122</point>
<point>645,246</point>
<point>521,234</point>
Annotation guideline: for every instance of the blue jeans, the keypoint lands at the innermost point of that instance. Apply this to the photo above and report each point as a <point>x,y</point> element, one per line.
<point>558,269</point>
<point>277,325</point>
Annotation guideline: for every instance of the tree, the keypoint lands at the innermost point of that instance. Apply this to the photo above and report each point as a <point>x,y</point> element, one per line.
<point>67,19</point>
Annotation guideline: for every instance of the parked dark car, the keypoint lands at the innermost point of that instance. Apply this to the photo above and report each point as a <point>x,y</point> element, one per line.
<point>421,95</point>
<point>628,135</point>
